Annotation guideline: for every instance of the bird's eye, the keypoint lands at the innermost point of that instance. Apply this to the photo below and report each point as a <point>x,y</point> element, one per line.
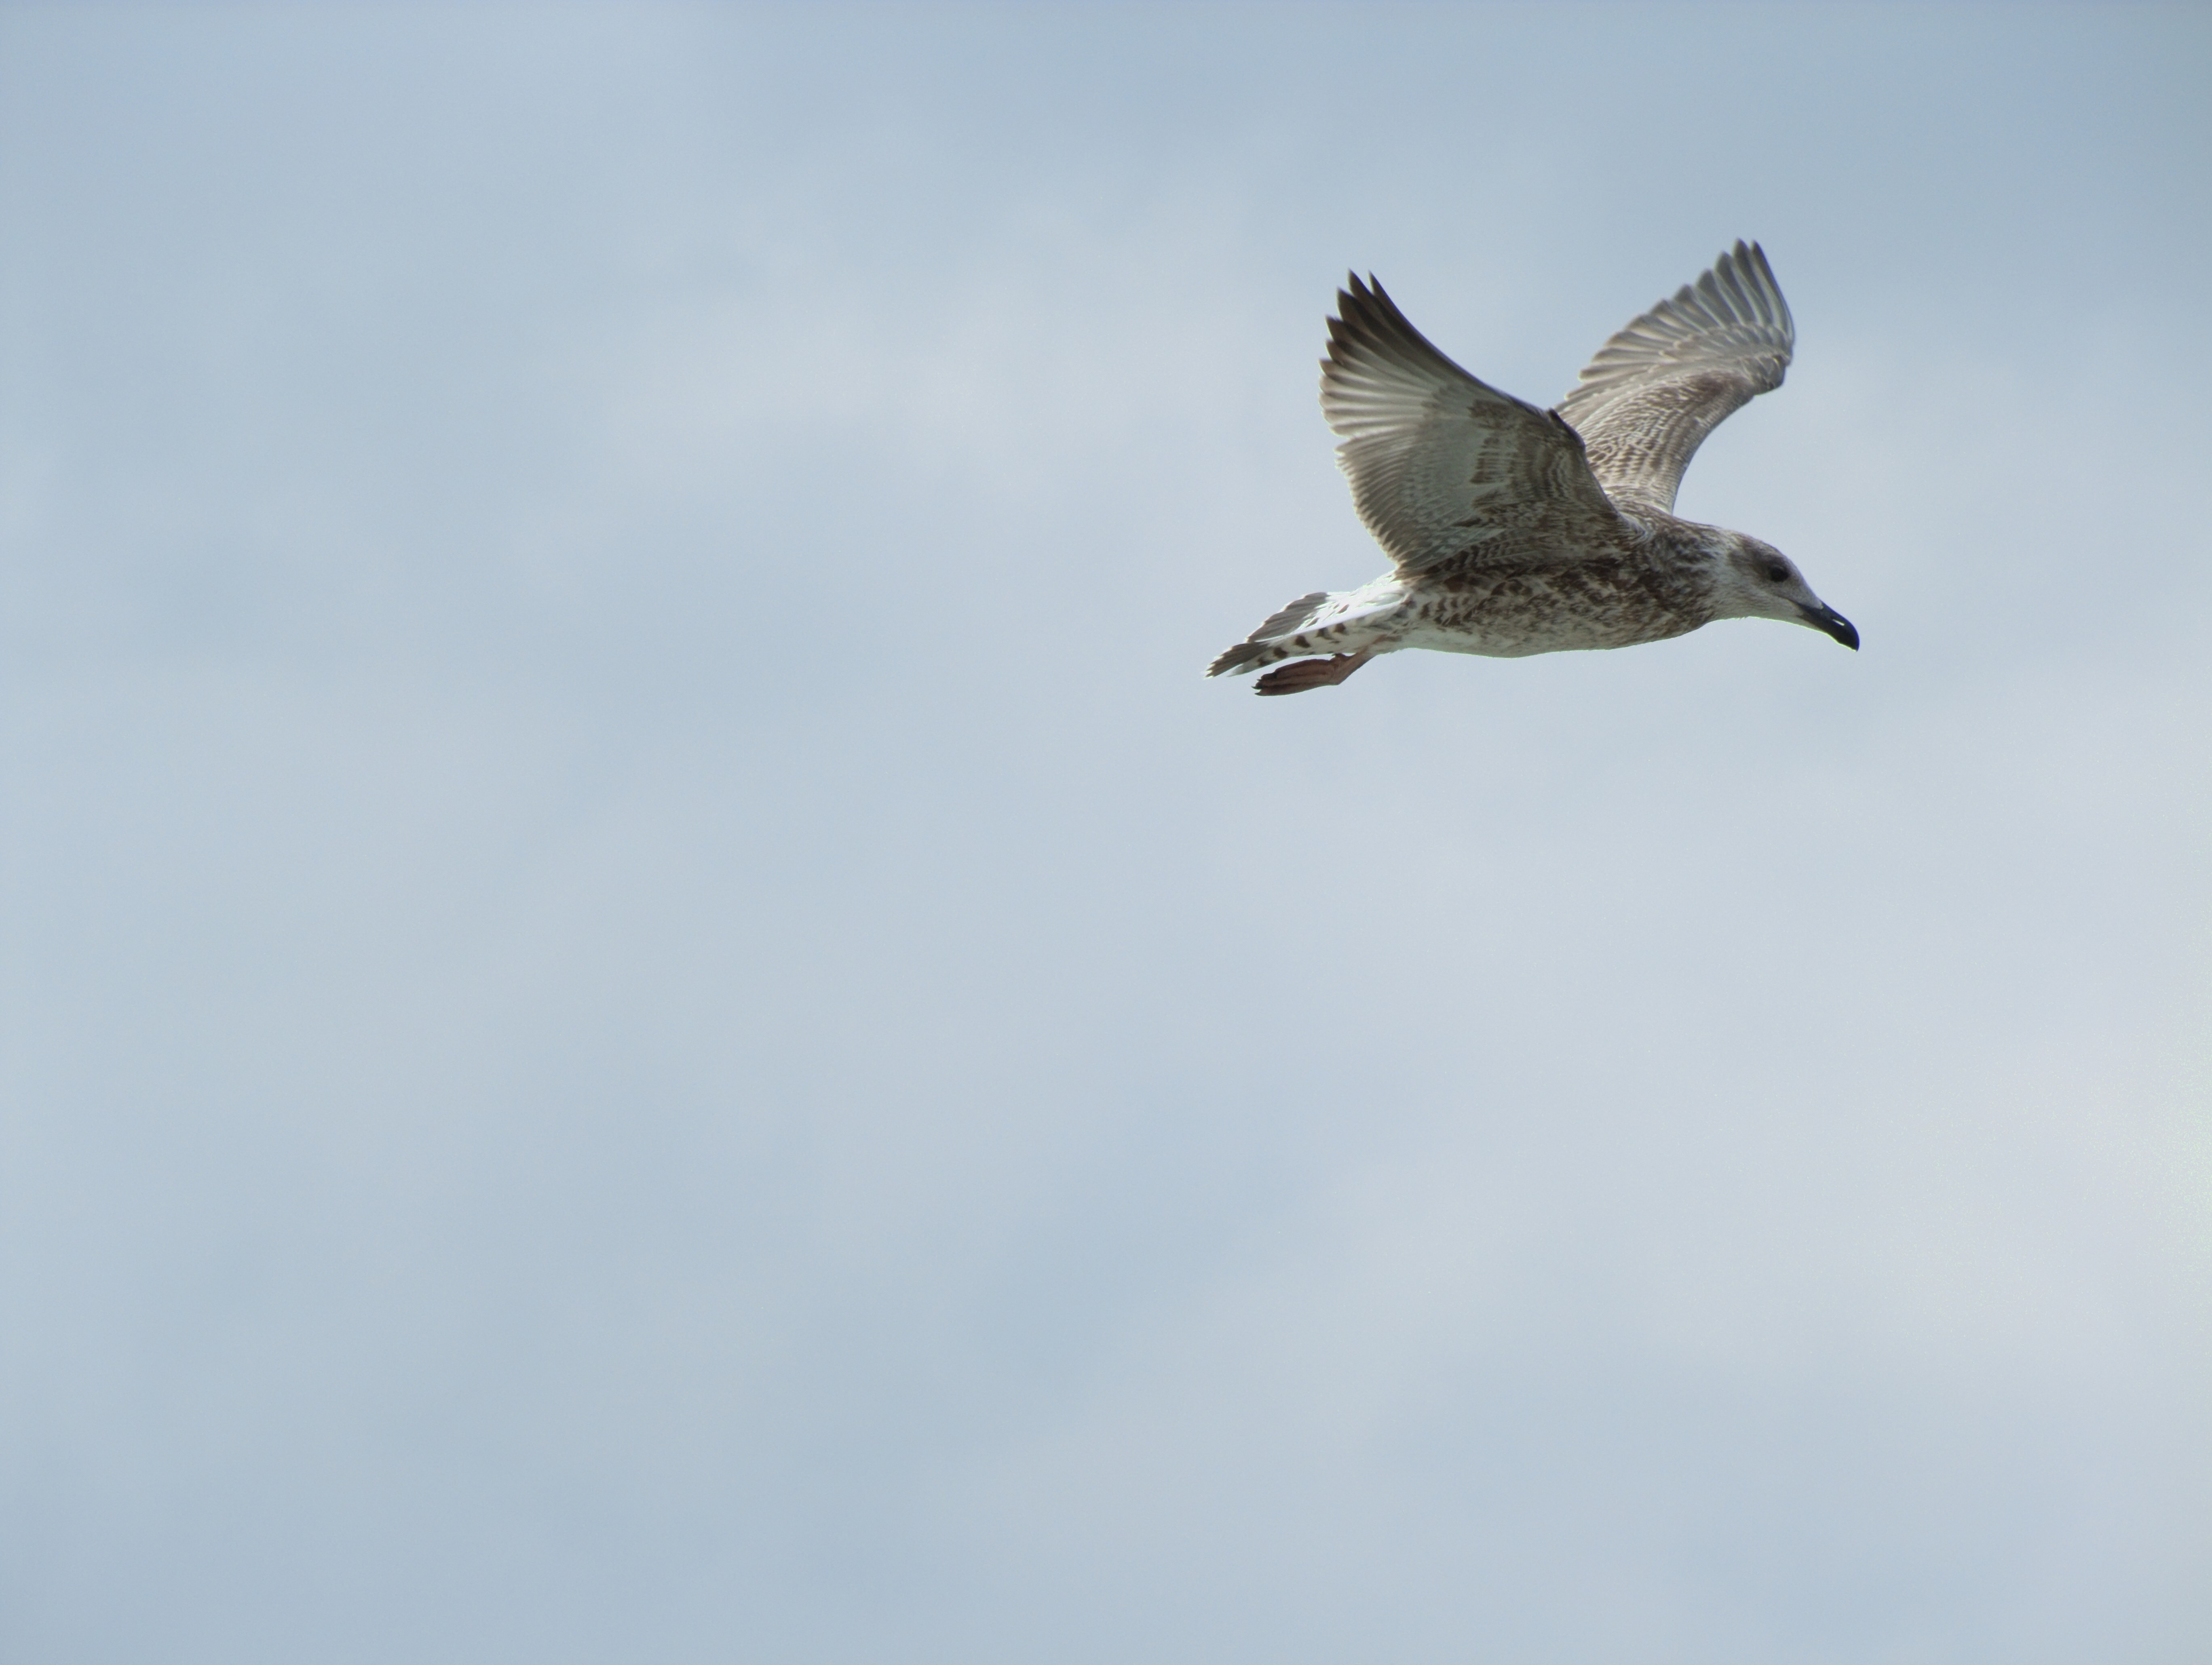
<point>1777,573</point>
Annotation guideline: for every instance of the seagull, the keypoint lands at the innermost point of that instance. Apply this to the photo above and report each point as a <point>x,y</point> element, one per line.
<point>1513,530</point>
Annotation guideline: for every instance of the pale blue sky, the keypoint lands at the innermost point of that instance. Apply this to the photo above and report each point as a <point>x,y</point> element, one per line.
<point>648,1014</point>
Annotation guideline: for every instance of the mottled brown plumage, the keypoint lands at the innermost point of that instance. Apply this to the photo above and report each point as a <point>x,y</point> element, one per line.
<point>1513,530</point>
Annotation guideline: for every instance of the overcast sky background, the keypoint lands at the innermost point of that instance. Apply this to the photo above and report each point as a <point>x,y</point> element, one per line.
<point>646,1012</point>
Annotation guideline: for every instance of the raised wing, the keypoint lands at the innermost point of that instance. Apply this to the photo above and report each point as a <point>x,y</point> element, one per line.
<point>1647,401</point>
<point>1442,467</point>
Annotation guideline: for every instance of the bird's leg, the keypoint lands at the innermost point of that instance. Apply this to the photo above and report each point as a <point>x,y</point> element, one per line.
<point>1302,674</point>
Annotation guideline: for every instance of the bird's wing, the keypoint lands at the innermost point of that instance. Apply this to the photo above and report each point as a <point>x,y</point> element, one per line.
<point>1647,401</point>
<point>1442,467</point>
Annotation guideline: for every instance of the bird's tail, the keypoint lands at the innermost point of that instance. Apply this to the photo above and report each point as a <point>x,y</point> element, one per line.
<point>1326,621</point>
<point>1258,648</point>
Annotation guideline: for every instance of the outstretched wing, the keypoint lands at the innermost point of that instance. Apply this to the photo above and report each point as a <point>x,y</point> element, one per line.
<point>1442,467</point>
<point>1652,394</point>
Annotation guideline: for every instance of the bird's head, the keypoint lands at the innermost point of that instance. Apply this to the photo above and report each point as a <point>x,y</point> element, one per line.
<point>1756,580</point>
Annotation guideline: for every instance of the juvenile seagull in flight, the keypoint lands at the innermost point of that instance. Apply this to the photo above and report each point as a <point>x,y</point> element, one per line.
<point>1516,531</point>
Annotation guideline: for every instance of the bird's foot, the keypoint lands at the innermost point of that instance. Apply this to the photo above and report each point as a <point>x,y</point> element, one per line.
<point>1302,674</point>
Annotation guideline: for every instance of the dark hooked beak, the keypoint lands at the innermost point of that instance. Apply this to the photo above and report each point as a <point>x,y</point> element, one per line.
<point>1830,622</point>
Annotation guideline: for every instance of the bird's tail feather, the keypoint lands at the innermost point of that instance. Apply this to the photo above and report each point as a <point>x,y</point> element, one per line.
<point>1262,646</point>
<point>1329,621</point>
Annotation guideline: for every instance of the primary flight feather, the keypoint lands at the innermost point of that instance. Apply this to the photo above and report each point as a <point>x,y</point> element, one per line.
<point>1513,530</point>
